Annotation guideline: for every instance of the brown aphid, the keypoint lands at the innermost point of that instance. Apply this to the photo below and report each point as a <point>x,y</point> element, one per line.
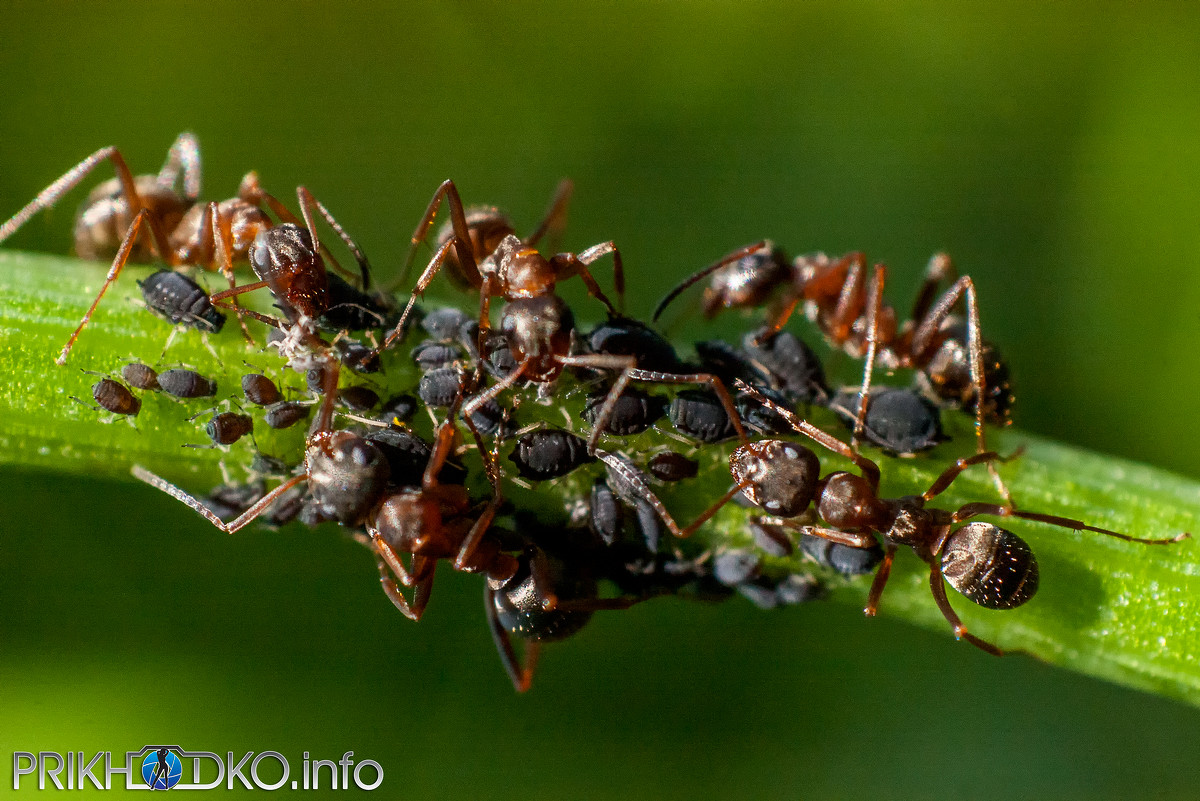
<point>286,414</point>
<point>113,396</point>
<point>260,390</point>
<point>227,428</point>
<point>672,466</point>
<point>140,376</point>
<point>186,384</point>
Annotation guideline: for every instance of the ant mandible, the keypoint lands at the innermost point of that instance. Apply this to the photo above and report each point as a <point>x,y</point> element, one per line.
<point>183,231</point>
<point>989,565</point>
<point>956,366</point>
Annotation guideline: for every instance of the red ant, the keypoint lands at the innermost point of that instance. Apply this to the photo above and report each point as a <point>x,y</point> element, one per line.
<point>956,366</point>
<point>989,565</point>
<point>183,231</point>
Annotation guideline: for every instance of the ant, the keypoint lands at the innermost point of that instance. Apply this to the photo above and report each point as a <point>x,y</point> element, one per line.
<point>989,565</point>
<point>182,230</point>
<point>955,365</point>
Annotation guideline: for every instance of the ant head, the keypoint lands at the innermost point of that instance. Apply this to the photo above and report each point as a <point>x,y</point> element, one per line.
<point>346,475</point>
<point>990,566</point>
<point>285,257</point>
<point>538,327</point>
<point>782,476</point>
<point>948,377</point>
<point>748,281</point>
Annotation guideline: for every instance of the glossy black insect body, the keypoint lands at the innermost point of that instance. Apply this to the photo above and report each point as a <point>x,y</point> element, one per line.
<point>398,409</point>
<point>623,336</point>
<point>549,453</point>
<point>181,300</point>
<point>140,376</point>
<point>441,387</point>
<point>358,398</point>
<point>182,383</point>
<point>790,364</point>
<point>844,559</point>
<point>351,309</point>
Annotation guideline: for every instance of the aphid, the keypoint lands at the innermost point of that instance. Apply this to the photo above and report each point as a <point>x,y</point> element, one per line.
<point>789,365</point>
<point>180,300</point>
<point>430,354</point>
<point>549,453</point>
<point>181,230</point>
<point>624,336</point>
<point>358,399</point>
<point>633,413</point>
<point>314,377</point>
<point>849,561</point>
<point>439,388</point>
<point>605,514</point>
<point>140,376</point>
<point>446,324</point>
<point>225,500</point>
<point>398,409</point>
<point>286,414</point>
<point>990,566</point>
<point>408,455</point>
<point>488,418</point>
<point>899,421</point>
<point>227,428</point>
<point>759,417</point>
<point>736,566</point>
<point>260,390</point>
<point>701,415</point>
<point>113,396</point>
<point>352,309</point>
<point>774,540</point>
<point>672,466</point>
<point>956,365</point>
<point>632,486</point>
<point>181,383</point>
<point>357,356</point>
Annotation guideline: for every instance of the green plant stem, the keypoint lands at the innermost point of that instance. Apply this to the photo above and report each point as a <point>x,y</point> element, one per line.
<point>1120,611</point>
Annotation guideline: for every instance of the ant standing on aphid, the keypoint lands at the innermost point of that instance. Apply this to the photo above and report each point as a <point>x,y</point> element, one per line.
<point>956,366</point>
<point>182,231</point>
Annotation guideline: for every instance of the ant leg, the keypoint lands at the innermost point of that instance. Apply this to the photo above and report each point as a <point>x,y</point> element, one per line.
<point>967,511</point>
<point>241,521</point>
<point>880,581</point>
<point>939,270</point>
<point>565,263</point>
<point>555,219</point>
<point>521,675</point>
<point>874,305</point>
<point>736,255</point>
<point>185,153</point>
<point>636,480</point>
<point>218,240</point>
<point>710,511</point>
<point>462,234</point>
<point>923,338</point>
<point>870,470</point>
<point>632,373</point>
<point>113,271</point>
<point>392,591</point>
<point>938,588</point>
<point>54,192</point>
<point>251,191</point>
<point>850,539</point>
<point>307,204</point>
<point>431,270</point>
<point>850,303</point>
<point>484,521</point>
<point>942,482</point>
<point>477,401</point>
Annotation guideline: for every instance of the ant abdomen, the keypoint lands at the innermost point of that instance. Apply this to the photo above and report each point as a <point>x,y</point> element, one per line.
<point>520,603</point>
<point>990,566</point>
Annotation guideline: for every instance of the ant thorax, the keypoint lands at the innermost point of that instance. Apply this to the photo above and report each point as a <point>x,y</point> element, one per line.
<point>522,271</point>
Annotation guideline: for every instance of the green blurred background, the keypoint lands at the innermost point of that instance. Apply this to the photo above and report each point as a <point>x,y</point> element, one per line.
<point>1052,150</point>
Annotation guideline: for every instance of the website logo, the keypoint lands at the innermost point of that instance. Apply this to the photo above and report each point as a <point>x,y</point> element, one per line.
<point>162,769</point>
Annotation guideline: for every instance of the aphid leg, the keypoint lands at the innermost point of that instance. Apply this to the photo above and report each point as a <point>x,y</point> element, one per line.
<point>869,470</point>
<point>54,192</point>
<point>184,153</point>
<point>113,271</point>
<point>874,305</point>
<point>555,219</point>
<point>520,674</point>
<point>969,510</point>
<point>699,275</point>
<point>241,521</point>
<point>938,588</point>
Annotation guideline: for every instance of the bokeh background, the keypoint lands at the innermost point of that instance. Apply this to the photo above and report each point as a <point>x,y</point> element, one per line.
<point>1053,150</point>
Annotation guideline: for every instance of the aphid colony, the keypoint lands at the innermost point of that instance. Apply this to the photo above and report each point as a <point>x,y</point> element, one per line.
<point>613,413</point>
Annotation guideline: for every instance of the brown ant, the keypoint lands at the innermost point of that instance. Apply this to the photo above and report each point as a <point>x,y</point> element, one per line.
<point>955,365</point>
<point>989,565</point>
<point>182,230</point>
